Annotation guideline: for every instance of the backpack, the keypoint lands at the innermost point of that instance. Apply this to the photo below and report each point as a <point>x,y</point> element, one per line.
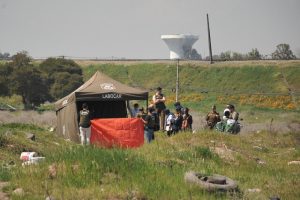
<point>151,122</point>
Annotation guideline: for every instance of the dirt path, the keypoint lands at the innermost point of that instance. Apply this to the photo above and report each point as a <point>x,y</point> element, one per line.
<point>280,127</point>
<point>48,119</point>
<point>3,196</point>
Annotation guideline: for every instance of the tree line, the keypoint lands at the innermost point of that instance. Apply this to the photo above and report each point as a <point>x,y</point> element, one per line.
<point>282,52</point>
<point>54,78</point>
<point>50,80</point>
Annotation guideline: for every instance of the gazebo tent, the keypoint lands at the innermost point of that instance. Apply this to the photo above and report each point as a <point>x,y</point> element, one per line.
<point>105,96</point>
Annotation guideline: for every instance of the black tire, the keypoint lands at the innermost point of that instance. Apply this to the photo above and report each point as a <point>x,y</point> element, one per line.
<point>210,183</point>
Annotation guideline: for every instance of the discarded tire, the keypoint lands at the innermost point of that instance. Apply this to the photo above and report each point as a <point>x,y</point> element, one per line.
<point>214,182</point>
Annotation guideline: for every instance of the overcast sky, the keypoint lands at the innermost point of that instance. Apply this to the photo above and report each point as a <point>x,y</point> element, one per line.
<point>132,28</point>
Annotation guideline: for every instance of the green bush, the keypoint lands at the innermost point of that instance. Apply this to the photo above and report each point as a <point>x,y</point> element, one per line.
<point>5,174</point>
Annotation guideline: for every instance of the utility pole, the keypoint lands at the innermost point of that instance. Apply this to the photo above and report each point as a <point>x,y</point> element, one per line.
<point>209,40</point>
<point>177,80</point>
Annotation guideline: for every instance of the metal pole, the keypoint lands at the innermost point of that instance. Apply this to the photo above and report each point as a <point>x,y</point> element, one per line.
<point>177,80</point>
<point>209,41</point>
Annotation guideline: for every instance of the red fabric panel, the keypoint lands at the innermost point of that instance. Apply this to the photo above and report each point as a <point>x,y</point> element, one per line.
<point>120,132</point>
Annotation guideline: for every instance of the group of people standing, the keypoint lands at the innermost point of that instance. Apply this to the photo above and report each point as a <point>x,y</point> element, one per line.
<point>158,117</point>
<point>161,118</point>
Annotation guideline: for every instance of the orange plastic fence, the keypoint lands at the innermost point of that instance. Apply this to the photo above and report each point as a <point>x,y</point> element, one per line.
<point>117,132</point>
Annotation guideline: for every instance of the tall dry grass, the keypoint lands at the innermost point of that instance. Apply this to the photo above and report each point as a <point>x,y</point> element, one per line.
<point>45,119</point>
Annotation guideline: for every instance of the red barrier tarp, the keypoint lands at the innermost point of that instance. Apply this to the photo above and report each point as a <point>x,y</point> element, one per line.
<point>120,132</point>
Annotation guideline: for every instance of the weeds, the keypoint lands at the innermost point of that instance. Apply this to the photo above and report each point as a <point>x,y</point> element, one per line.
<point>155,171</point>
<point>5,174</point>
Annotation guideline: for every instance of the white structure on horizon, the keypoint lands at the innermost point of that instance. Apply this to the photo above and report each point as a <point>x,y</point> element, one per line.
<point>179,44</point>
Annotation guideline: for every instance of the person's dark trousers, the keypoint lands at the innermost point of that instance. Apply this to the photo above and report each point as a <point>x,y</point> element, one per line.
<point>161,115</point>
<point>148,134</point>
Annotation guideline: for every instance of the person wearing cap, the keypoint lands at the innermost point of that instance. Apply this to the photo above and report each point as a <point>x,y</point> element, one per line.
<point>159,100</point>
<point>84,124</point>
<point>178,106</point>
<point>212,118</point>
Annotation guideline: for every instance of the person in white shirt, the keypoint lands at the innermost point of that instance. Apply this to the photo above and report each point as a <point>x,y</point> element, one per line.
<point>169,120</point>
<point>135,110</point>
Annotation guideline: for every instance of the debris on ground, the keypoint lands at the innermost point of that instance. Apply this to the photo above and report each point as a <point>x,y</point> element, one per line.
<point>3,196</point>
<point>260,161</point>
<point>52,169</point>
<point>214,182</point>
<point>223,152</point>
<point>30,136</point>
<point>50,198</point>
<point>18,192</point>
<point>254,190</point>
<point>30,158</point>
<point>9,165</point>
<point>294,162</point>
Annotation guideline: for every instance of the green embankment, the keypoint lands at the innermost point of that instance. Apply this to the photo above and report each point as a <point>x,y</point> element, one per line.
<point>154,171</point>
<point>257,85</point>
<point>194,78</point>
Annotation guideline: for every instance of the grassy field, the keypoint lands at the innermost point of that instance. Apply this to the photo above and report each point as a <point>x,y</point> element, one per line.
<point>154,171</point>
<point>233,79</point>
<point>256,88</point>
<point>257,160</point>
<point>220,77</point>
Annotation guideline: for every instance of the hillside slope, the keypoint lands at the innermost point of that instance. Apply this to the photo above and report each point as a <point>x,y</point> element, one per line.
<point>258,84</point>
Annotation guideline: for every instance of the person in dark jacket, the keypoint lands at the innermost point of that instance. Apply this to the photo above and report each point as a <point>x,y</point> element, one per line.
<point>177,121</point>
<point>159,102</point>
<point>84,124</point>
<point>149,124</point>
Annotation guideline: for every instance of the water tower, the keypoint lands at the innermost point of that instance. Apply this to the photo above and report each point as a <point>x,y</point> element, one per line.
<point>179,44</point>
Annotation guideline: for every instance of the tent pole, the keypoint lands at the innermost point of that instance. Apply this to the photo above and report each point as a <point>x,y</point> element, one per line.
<point>147,103</point>
<point>128,108</point>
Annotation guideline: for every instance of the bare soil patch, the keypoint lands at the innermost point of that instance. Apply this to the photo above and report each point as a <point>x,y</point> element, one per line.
<point>48,119</point>
<point>3,196</point>
<point>275,126</point>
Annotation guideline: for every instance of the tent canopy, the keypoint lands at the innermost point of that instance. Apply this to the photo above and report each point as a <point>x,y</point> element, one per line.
<point>102,88</point>
<point>106,98</point>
